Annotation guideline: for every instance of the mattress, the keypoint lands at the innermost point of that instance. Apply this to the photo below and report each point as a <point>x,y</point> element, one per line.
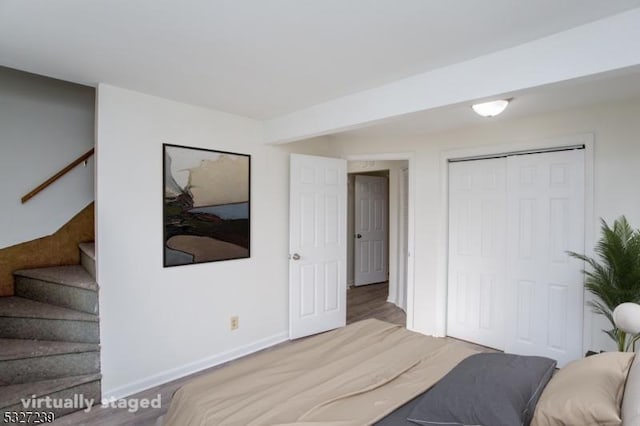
<point>352,376</point>
<point>399,416</point>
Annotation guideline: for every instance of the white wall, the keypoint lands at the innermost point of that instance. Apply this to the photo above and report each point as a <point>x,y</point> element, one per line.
<point>44,125</point>
<point>156,323</point>
<point>616,129</point>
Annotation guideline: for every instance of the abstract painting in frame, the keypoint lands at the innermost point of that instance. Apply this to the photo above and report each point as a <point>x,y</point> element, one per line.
<point>206,205</point>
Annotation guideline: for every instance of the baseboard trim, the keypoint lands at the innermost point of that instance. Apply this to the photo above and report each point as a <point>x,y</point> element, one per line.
<point>193,367</point>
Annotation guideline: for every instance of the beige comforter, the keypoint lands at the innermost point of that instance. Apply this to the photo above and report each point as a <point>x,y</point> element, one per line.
<point>347,377</point>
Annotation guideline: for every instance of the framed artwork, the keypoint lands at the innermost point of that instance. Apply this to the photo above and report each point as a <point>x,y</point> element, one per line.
<point>206,205</point>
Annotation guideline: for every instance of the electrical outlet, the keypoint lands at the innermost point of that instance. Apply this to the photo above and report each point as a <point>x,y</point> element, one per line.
<point>235,322</point>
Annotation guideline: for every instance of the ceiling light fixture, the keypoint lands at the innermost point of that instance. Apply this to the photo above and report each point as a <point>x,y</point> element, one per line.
<point>491,109</point>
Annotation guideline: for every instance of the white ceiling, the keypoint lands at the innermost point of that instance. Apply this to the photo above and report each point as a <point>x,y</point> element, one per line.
<point>262,59</point>
<point>596,89</point>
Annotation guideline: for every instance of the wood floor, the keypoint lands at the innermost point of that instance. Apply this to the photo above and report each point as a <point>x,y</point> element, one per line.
<point>362,302</point>
<point>370,301</point>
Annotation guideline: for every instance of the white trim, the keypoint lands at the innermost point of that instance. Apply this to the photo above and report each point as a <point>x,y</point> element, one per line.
<point>589,231</point>
<point>403,237</point>
<point>410,158</point>
<point>391,156</point>
<point>586,139</point>
<point>515,153</point>
<point>193,367</point>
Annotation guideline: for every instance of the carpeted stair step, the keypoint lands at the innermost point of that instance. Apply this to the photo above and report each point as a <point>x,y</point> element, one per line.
<point>67,286</point>
<point>66,389</point>
<point>23,361</point>
<point>88,257</point>
<point>27,319</point>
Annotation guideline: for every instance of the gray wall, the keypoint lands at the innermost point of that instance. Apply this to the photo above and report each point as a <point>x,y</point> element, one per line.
<point>44,125</point>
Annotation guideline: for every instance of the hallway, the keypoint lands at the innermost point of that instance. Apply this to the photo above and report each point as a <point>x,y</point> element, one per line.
<point>370,301</point>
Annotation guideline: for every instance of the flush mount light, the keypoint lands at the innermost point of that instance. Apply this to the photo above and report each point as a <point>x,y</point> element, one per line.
<point>491,109</point>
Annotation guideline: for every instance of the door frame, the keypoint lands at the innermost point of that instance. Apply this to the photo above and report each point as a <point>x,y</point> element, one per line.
<point>403,230</point>
<point>410,158</point>
<point>587,139</point>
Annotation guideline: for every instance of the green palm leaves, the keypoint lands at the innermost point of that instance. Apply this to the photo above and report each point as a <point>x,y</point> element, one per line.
<point>614,277</point>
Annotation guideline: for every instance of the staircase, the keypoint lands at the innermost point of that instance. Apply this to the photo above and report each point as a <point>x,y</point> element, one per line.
<point>49,337</point>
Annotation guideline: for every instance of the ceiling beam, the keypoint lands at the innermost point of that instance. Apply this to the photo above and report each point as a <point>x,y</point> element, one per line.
<point>601,46</point>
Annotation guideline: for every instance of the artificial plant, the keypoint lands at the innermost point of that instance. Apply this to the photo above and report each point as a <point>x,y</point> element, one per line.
<point>614,275</point>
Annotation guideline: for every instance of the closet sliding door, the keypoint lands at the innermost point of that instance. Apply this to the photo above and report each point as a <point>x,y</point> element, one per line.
<point>512,285</point>
<point>545,211</point>
<point>477,251</point>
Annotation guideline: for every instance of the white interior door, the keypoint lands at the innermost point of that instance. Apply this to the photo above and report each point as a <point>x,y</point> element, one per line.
<point>477,251</point>
<point>318,252</point>
<point>371,258</point>
<point>546,218</point>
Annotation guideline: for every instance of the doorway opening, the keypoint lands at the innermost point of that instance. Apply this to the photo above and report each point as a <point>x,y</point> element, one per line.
<point>318,241</point>
<point>377,240</point>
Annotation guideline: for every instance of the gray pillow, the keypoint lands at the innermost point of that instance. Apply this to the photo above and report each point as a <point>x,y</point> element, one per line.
<point>487,389</point>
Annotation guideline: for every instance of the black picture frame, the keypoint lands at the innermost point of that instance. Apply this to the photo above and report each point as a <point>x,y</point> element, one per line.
<point>206,205</point>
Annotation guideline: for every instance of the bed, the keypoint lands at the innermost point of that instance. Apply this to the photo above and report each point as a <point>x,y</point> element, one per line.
<point>372,372</point>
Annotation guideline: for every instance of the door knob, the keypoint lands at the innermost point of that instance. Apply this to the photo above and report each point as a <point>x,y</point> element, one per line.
<point>295,256</point>
<point>358,235</point>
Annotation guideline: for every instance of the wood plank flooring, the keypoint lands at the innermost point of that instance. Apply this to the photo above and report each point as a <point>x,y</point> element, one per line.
<point>362,302</point>
<point>370,301</point>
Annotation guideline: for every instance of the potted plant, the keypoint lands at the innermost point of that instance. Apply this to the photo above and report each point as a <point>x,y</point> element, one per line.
<point>614,276</point>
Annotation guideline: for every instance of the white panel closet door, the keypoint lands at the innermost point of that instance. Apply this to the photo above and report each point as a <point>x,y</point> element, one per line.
<point>545,219</point>
<point>477,251</point>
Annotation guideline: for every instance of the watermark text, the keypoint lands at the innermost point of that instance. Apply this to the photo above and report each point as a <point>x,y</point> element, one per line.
<point>80,402</point>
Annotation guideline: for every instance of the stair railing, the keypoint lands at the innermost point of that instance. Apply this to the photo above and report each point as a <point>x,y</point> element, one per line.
<point>82,159</point>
